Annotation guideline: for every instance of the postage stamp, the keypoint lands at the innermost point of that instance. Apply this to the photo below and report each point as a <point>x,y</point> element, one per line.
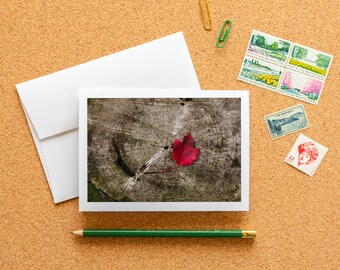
<point>287,121</point>
<point>268,46</point>
<point>260,73</point>
<point>310,60</point>
<point>306,155</point>
<point>285,67</point>
<point>301,86</point>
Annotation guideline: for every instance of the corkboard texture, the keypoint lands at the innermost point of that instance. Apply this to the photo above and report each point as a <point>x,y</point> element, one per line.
<point>296,216</point>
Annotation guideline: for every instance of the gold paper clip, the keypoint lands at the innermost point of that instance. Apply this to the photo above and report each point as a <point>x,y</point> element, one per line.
<point>206,20</point>
<point>223,38</point>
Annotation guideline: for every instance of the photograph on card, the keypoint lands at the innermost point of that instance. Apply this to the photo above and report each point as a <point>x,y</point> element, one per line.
<point>164,149</point>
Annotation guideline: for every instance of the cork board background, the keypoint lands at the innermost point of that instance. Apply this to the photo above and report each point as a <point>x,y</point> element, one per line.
<point>295,215</point>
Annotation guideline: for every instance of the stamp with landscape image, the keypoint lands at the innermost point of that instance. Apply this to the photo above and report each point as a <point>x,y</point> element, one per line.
<point>269,47</point>
<point>164,151</point>
<point>309,60</point>
<point>287,121</point>
<point>260,73</point>
<point>301,86</point>
<point>287,68</point>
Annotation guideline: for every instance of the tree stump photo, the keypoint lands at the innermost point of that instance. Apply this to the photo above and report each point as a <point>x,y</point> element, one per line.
<point>164,149</point>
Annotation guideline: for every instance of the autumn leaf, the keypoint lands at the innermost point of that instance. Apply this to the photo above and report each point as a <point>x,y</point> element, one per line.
<point>185,153</point>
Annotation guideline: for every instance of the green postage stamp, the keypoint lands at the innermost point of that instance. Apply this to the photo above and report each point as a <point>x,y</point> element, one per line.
<point>279,65</point>
<point>287,121</point>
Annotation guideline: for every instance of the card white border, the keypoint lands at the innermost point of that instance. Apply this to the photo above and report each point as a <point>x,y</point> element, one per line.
<point>86,206</point>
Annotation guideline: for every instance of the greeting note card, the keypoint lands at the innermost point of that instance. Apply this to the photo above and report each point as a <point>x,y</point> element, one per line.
<point>306,155</point>
<point>284,67</point>
<point>163,150</point>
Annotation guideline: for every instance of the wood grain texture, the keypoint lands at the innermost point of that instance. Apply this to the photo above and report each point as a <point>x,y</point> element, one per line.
<point>130,145</point>
<point>295,216</point>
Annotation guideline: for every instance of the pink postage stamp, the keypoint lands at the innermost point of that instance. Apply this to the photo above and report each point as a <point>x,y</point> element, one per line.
<point>306,155</point>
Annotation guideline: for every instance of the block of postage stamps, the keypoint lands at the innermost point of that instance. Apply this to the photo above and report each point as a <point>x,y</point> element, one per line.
<point>287,68</point>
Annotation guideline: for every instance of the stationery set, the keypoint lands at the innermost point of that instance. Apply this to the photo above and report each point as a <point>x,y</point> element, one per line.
<point>132,131</point>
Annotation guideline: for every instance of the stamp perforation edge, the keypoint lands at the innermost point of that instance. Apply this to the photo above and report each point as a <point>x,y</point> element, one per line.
<point>289,67</point>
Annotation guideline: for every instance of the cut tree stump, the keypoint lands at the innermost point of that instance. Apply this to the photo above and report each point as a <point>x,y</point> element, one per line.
<point>130,146</point>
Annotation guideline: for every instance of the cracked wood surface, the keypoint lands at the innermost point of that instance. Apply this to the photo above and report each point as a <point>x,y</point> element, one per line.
<point>129,149</point>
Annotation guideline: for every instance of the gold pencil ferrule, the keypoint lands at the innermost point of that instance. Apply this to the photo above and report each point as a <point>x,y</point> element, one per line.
<point>248,234</point>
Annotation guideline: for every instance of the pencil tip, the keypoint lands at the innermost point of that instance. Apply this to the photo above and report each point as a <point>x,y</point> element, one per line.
<point>79,232</point>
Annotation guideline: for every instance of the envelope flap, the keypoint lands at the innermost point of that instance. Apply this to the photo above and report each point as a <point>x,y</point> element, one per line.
<point>51,101</point>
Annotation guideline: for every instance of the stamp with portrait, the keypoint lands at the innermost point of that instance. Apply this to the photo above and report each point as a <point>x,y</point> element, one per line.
<point>287,121</point>
<point>306,155</point>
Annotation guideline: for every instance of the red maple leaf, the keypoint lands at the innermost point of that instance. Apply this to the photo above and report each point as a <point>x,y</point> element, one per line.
<point>185,153</point>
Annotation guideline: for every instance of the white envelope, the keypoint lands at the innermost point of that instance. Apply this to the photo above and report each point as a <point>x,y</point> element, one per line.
<point>51,102</point>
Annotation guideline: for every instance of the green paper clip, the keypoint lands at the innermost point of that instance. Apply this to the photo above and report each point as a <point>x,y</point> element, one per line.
<point>223,39</point>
